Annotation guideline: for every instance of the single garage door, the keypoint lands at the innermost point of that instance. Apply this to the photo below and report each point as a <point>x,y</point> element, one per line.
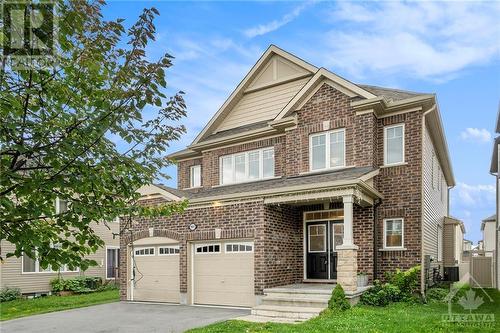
<point>223,273</point>
<point>156,273</point>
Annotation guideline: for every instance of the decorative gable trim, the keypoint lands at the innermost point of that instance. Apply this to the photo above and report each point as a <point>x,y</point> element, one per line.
<point>322,76</point>
<point>244,84</point>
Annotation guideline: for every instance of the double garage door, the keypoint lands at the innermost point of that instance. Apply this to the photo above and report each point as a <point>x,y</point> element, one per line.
<point>222,273</point>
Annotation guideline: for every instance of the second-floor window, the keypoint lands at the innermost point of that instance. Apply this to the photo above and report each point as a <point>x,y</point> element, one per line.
<point>195,176</point>
<point>247,166</point>
<point>327,150</point>
<point>394,149</point>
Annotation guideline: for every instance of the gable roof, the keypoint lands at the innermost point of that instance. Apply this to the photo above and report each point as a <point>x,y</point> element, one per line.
<point>497,128</point>
<point>252,78</point>
<point>159,191</point>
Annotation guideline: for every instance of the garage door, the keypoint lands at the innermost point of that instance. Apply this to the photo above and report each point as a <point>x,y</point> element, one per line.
<point>223,273</point>
<point>156,273</point>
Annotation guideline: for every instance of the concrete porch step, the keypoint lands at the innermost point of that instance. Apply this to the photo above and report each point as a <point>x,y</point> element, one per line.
<point>307,300</point>
<point>289,312</point>
<point>303,291</point>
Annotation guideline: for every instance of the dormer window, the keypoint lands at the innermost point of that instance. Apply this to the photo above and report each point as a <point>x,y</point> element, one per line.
<point>195,176</point>
<point>248,166</point>
<point>327,150</point>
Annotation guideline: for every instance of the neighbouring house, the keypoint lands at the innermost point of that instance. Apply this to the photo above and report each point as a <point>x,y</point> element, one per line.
<point>488,229</point>
<point>467,248</point>
<point>453,239</point>
<point>27,275</point>
<point>495,166</point>
<point>301,177</point>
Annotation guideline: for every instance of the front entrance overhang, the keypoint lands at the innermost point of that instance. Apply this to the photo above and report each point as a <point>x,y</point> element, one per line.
<point>363,195</point>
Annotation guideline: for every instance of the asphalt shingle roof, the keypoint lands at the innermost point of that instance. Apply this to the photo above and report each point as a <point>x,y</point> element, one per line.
<point>317,178</point>
<point>389,93</point>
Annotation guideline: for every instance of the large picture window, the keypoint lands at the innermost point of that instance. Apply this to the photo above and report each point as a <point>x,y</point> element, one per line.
<point>327,150</point>
<point>393,233</point>
<point>394,146</point>
<point>31,265</point>
<point>247,166</point>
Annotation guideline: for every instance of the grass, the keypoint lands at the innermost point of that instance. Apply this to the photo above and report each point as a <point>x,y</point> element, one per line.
<point>28,307</point>
<point>397,317</point>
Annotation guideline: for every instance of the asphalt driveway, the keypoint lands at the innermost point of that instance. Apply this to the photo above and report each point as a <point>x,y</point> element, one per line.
<point>123,317</point>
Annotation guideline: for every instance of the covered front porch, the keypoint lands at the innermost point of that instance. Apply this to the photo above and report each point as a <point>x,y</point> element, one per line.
<point>330,218</point>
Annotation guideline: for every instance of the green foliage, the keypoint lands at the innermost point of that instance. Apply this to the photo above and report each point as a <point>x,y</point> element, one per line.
<point>9,294</point>
<point>402,286</point>
<point>108,286</point>
<point>79,285</point>
<point>56,129</point>
<point>338,300</point>
<point>407,281</point>
<point>437,295</point>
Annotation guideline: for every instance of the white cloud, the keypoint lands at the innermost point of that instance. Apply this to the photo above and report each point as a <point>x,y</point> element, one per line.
<point>476,134</point>
<point>473,195</point>
<point>429,40</point>
<point>263,29</point>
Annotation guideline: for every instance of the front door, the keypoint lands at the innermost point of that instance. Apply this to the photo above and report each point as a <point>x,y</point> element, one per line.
<point>322,238</point>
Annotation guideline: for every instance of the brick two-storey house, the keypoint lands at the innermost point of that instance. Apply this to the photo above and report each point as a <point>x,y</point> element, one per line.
<point>301,176</point>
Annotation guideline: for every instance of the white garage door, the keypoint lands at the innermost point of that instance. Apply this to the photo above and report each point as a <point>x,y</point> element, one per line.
<point>223,273</point>
<point>156,273</point>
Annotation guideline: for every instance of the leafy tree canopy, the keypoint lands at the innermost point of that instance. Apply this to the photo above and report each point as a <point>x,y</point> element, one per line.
<point>55,128</point>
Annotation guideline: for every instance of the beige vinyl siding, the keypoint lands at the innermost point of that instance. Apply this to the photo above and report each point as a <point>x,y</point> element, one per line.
<point>261,105</point>
<point>435,203</point>
<point>11,269</point>
<point>449,244</point>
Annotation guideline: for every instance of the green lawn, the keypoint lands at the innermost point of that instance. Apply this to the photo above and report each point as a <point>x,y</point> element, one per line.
<point>27,307</point>
<point>398,317</point>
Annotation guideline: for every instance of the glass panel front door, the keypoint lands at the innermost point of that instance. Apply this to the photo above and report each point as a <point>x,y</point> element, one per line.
<point>322,239</point>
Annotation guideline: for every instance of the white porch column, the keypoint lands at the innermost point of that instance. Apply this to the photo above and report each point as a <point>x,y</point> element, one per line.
<point>348,223</point>
<point>347,265</point>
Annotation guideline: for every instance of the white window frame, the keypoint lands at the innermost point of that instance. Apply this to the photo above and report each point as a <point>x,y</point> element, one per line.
<point>402,234</point>
<point>49,269</point>
<point>197,246</point>
<point>143,248</point>
<point>58,205</point>
<point>168,254</point>
<point>386,128</point>
<point>309,240</point>
<point>192,182</point>
<point>110,247</point>
<point>238,244</point>
<point>327,153</point>
<point>247,166</point>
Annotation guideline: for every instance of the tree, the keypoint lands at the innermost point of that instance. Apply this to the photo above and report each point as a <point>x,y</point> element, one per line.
<point>55,128</point>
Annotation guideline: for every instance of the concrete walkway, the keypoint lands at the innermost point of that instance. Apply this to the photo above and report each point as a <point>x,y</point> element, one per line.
<point>123,317</point>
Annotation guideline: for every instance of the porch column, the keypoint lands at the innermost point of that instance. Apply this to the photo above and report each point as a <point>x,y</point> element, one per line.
<point>347,265</point>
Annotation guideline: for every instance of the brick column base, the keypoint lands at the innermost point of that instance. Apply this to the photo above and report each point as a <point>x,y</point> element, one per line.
<point>347,269</point>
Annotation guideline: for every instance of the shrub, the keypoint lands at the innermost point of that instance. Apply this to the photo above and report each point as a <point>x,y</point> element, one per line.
<point>381,294</point>
<point>407,281</point>
<point>9,294</point>
<point>79,284</point>
<point>437,295</point>
<point>338,300</point>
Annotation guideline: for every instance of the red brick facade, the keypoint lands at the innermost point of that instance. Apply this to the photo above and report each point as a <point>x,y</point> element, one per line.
<point>278,230</point>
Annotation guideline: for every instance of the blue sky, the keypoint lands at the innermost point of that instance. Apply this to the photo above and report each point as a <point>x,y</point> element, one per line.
<point>448,48</point>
